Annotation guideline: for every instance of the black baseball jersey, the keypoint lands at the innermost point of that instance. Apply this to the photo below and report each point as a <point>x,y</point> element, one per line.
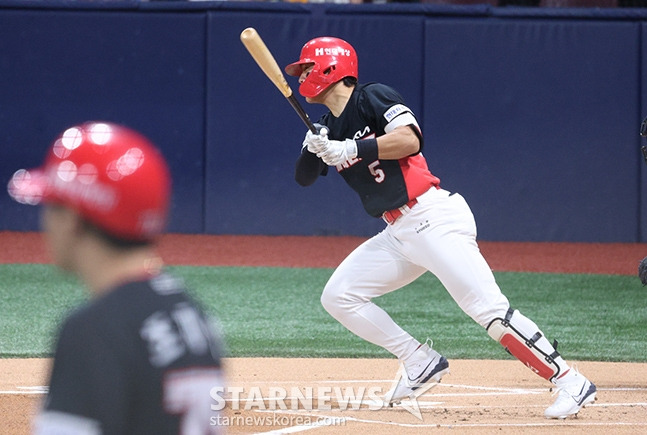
<point>141,359</point>
<point>372,110</point>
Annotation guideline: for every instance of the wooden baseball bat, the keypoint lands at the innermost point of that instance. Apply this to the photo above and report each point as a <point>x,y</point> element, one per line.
<point>261,54</point>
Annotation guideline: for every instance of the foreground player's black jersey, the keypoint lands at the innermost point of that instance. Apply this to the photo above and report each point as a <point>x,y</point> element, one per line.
<point>133,361</point>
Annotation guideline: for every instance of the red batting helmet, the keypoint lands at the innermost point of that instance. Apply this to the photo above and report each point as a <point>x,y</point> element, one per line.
<point>333,59</point>
<point>111,175</point>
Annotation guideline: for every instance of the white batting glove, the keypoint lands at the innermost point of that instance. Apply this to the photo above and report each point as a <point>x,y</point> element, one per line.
<point>316,142</point>
<point>337,152</point>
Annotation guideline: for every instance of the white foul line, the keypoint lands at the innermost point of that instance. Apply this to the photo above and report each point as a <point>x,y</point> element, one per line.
<point>326,421</point>
<point>37,389</point>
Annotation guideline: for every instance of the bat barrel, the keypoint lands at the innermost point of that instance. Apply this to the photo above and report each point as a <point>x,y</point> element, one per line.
<point>263,57</point>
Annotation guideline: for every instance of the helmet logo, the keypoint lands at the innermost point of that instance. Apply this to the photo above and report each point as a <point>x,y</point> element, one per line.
<point>95,195</point>
<point>334,51</point>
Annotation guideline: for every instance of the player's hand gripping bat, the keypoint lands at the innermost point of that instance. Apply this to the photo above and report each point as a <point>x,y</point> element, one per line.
<point>261,54</point>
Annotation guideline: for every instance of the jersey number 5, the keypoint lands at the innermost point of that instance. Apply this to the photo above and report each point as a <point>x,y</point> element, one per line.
<point>376,172</point>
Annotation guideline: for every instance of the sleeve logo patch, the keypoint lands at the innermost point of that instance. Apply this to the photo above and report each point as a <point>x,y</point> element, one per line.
<point>395,111</point>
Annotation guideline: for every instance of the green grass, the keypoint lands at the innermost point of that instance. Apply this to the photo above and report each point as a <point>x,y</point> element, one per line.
<point>267,312</point>
<point>33,299</point>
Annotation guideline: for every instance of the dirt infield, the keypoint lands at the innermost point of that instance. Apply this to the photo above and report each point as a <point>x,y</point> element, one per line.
<point>478,397</point>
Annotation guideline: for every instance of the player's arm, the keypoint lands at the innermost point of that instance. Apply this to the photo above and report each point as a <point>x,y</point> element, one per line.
<point>309,166</point>
<point>402,136</point>
<point>398,143</point>
<point>384,108</point>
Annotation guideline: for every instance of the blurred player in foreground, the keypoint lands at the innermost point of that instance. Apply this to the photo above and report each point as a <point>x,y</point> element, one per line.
<point>140,357</point>
<point>374,141</point>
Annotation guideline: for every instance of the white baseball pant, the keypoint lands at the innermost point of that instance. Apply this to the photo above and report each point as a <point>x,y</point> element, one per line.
<point>437,235</point>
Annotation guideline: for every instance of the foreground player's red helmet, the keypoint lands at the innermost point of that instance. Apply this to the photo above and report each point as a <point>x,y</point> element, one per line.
<point>111,175</point>
<point>333,59</point>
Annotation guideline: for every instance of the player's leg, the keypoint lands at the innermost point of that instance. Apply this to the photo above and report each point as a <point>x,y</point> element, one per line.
<point>448,248</point>
<point>521,337</point>
<point>440,235</point>
<point>374,269</point>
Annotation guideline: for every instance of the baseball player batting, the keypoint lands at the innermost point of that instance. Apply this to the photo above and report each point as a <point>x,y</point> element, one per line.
<point>141,356</point>
<point>374,141</point>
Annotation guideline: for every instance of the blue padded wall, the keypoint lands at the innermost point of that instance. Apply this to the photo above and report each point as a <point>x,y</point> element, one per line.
<point>64,67</point>
<point>535,122</point>
<point>532,114</point>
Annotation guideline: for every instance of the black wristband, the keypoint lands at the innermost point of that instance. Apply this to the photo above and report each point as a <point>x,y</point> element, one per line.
<point>367,149</point>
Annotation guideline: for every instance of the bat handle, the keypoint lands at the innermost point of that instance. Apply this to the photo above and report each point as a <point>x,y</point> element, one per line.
<point>302,113</point>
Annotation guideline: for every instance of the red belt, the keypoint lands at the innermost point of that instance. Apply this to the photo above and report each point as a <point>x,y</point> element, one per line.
<point>392,215</point>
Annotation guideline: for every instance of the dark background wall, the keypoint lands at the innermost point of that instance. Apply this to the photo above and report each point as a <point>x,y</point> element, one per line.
<point>532,115</point>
